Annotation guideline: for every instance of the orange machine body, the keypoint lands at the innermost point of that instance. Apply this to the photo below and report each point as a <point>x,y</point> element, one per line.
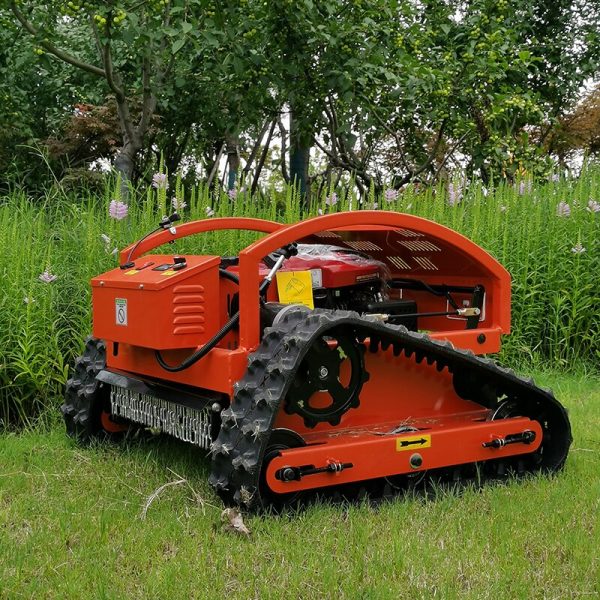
<point>177,311</point>
<point>154,306</point>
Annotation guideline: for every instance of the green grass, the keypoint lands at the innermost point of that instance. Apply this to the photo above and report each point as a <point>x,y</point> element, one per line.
<point>70,527</point>
<point>556,310</point>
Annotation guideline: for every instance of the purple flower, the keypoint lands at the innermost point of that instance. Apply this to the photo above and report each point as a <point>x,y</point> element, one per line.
<point>47,277</point>
<point>232,194</point>
<point>178,204</point>
<point>578,248</point>
<point>525,187</point>
<point>391,195</point>
<point>375,206</point>
<point>563,209</point>
<point>331,200</point>
<point>593,206</point>
<point>454,194</point>
<point>209,211</point>
<point>159,181</point>
<point>555,177</point>
<point>118,210</point>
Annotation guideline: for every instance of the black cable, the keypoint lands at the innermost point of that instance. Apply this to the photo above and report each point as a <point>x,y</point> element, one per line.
<point>165,223</point>
<point>444,292</point>
<point>127,264</point>
<point>229,275</point>
<point>202,352</point>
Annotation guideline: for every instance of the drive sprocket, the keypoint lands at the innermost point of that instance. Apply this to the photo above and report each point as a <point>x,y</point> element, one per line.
<point>322,392</point>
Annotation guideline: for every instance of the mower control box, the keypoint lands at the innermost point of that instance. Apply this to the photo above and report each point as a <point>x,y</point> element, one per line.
<point>162,302</point>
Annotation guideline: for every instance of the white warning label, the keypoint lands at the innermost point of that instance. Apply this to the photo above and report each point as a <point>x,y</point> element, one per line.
<point>316,276</point>
<point>121,311</point>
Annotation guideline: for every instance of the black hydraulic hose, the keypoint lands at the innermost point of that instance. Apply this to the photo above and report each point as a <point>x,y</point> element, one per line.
<point>228,275</point>
<point>202,352</point>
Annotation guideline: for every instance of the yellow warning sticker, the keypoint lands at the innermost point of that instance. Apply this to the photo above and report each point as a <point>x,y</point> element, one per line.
<point>412,442</point>
<point>168,273</point>
<point>295,287</point>
<point>132,272</point>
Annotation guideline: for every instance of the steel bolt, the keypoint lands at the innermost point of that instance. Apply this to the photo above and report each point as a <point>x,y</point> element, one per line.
<point>288,474</point>
<point>323,372</point>
<point>416,460</point>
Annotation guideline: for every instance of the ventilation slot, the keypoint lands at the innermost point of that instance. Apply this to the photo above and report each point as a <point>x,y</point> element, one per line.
<point>425,263</point>
<point>327,234</point>
<point>398,263</point>
<point>363,245</point>
<point>409,233</point>
<point>188,310</point>
<point>420,246</point>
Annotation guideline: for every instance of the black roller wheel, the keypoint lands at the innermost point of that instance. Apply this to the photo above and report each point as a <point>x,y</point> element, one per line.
<point>86,408</point>
<point>281,439</point>
<point>540,460</point>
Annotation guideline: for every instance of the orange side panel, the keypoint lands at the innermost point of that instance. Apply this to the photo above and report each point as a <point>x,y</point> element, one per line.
<point>160,309</point>
<point>217,371</point>
<point>373,455</point>
<point>398,391</point>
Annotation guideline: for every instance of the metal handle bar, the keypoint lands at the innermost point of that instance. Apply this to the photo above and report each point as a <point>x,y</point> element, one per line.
<point>200,226</point>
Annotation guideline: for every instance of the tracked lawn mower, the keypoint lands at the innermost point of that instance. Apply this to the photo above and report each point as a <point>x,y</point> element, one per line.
<point>341,352</point>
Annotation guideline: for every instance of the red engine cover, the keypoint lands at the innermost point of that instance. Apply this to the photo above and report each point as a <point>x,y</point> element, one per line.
<point>331,268</point>
<point>338,269</point>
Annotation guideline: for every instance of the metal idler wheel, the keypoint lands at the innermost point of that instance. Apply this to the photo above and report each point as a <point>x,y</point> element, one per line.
<point>281,439</point>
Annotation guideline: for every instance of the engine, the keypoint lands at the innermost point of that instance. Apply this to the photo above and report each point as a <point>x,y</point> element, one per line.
<point>350,280</point>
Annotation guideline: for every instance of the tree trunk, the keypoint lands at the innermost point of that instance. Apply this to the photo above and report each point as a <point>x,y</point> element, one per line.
<point>263,158</point>
<point>300,144</point>
<point>124,165</point>
<point>233,162</point>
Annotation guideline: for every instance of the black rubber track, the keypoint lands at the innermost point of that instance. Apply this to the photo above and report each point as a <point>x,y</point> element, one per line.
<point>86,397</point>
<point>238,451</point>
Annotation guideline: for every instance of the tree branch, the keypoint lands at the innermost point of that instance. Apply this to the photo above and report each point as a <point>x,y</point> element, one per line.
<point>255,148</point>
<point>52,49</point>
<point>283,133</point>
<point>149,100</point>
<point>261,162</point>
<point>215,166</point>
<point>108,67</point>
<point>393,133</point>
<point>450,153</point>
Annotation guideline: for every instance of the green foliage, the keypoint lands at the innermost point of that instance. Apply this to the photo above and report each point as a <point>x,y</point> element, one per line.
<point>556,315</point>
<point>386,87</point>
<point>34,92</point>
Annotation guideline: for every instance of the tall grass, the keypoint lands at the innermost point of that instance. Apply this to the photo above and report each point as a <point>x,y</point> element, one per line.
<point>556,305</point>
